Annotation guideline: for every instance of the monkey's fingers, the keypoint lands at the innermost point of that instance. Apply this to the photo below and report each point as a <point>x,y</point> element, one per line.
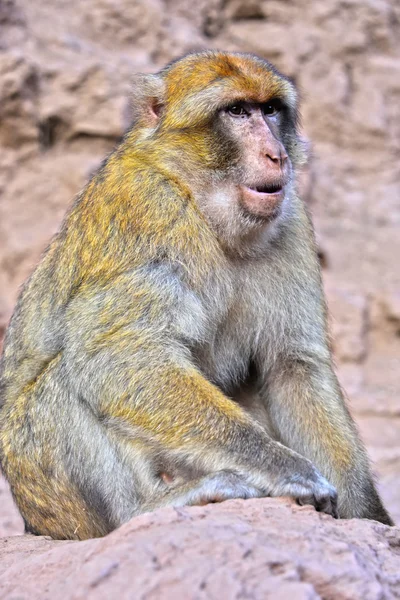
<point>325,504</point>
<point>310,487</point>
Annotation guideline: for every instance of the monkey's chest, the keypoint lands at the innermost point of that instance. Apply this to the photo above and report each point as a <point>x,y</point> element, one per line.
<point>226,356</point>
<point>238,335</point>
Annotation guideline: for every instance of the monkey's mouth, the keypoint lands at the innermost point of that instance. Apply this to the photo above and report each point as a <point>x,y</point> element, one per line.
<point>263,200</point>
<point>268,188</point>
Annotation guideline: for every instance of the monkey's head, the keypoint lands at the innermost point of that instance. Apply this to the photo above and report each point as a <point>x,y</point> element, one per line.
<point>227,124</point>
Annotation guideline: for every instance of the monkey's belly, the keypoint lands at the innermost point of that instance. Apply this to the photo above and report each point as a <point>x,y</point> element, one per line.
<point>249,398</point>
<point>227,361</point>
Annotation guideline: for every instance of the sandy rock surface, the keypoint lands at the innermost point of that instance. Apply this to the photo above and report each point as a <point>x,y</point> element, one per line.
<point>254,549</point>
<point>65,72</point>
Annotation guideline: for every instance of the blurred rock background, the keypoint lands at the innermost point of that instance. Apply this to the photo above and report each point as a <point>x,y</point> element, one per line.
<point>65,72</point>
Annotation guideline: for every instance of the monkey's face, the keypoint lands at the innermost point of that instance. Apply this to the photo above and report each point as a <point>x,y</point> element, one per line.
<point>225,124</point>
<point>262,168</point>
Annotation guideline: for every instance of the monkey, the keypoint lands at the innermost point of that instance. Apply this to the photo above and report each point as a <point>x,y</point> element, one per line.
<point>171,348</point>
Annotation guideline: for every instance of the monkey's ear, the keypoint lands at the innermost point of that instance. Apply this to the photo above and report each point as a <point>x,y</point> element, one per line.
<point>148,99</point>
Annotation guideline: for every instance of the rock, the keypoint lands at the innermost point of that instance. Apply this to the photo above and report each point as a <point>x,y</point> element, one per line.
<point>10,520</point>
<point>256,549</point>
<point>18,99</point>
<point>349,323</point>
<point>12,24</point>
<point>390,304</point>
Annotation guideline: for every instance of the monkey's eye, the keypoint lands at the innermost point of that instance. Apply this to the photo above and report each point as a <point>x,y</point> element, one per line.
<point>237,110</point>
<point>272,108</point>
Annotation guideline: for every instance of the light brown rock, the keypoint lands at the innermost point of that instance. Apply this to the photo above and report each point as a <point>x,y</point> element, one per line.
<point>10,520</point>
<point>254,549</point>
<point>349,323</point>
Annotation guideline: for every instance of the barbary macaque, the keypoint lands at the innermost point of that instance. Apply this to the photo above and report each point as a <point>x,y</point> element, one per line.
<point>171,347</point>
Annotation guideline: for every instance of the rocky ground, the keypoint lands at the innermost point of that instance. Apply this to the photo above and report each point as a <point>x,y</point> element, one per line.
<point>253,549</point>
<point>65,71</point>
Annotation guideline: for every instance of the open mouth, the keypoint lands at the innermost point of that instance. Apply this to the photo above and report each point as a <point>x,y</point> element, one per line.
<point>269,188</point>
<point>263,200</point>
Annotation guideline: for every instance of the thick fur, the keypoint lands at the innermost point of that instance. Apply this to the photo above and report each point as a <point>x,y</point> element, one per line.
<point>171,349</point>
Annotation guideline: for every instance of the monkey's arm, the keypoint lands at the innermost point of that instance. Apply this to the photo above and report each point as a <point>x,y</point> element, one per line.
<point>304,399</point>
<point>128,364</point>
<point>307,410</point>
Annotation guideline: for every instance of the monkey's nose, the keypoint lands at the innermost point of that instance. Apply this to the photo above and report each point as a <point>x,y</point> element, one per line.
<point>277,156</point>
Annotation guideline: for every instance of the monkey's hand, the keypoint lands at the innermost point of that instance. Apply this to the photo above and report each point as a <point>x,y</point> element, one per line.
<point>211,488</point>
<point>308,486</point>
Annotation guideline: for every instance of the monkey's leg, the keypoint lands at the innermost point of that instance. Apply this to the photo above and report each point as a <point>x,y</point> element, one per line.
<point>308,412</point>
<point>87,477</point>
<point>188,416</point>
<point>69,476</point>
